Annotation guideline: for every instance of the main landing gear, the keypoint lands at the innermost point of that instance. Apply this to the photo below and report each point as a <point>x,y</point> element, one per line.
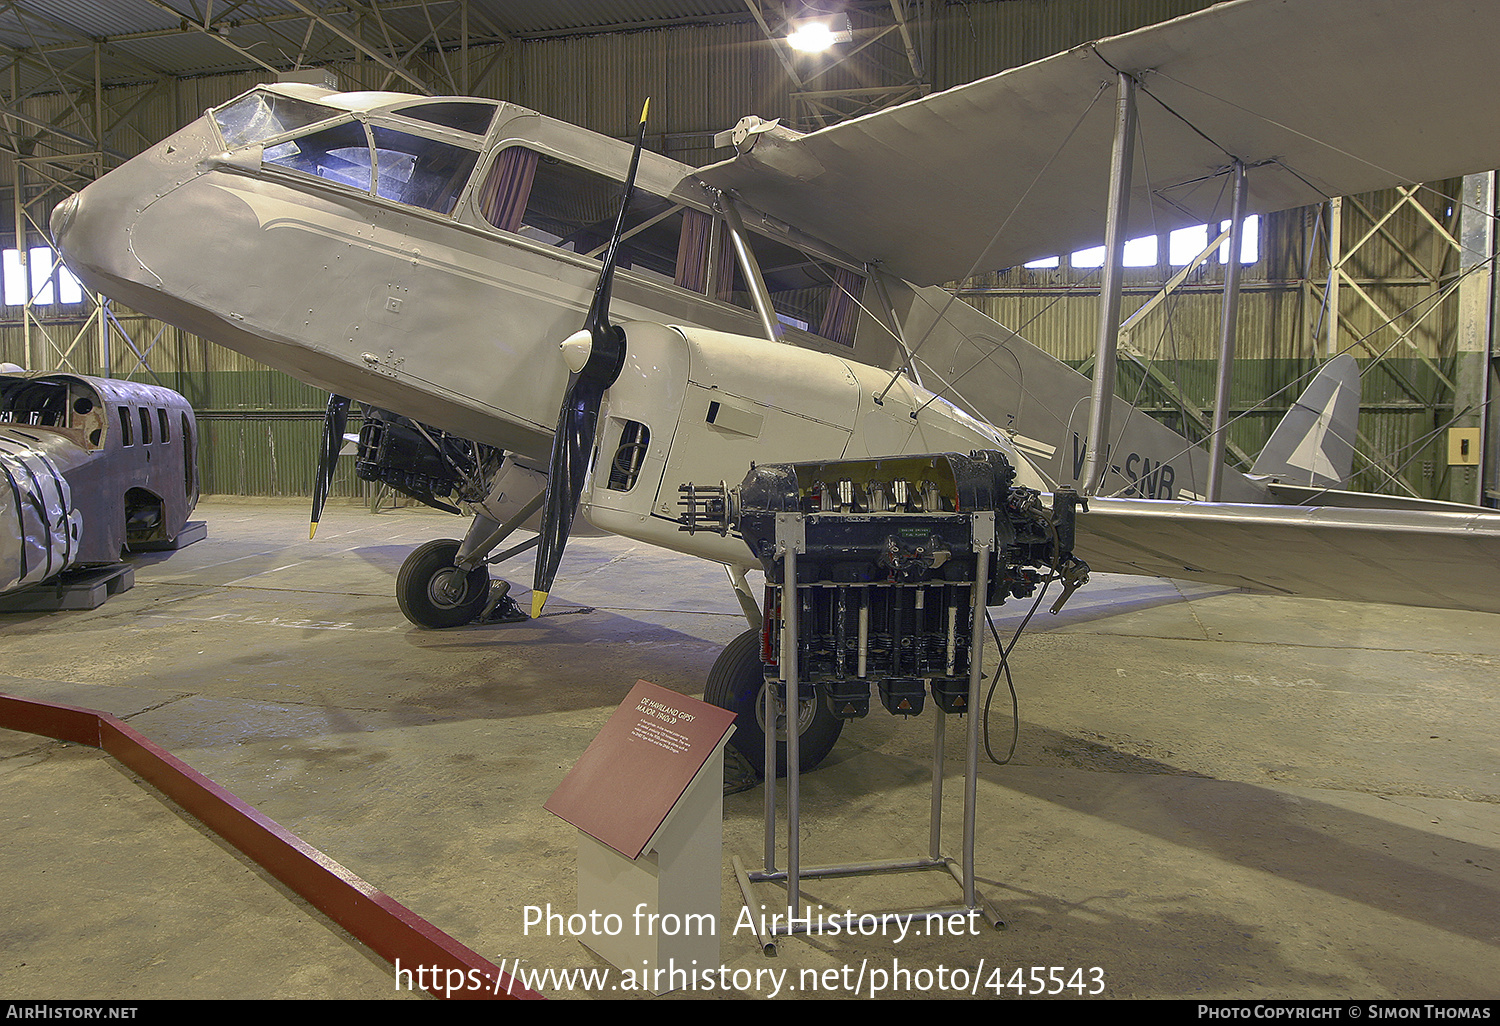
<point>736,682</point>
<point>446,583</point>
<point>433,592</point>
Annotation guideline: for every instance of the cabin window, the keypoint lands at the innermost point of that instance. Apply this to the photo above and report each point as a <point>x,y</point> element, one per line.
<point>574,209</point>
<point>502,198</point>
<point>260,116</point>
<point>693,252</point>
<point>559,204</point>
<point>808,294</point>
<point>145,426</point>
<point>420,172</point>
<point>125,425</point>
<point>461,115</point>
<point>189,468</point>
<point>161,421</point>
<point>339,154</point>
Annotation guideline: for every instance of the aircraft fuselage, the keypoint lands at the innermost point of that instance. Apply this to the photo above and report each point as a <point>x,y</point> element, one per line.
<point>427,257</point>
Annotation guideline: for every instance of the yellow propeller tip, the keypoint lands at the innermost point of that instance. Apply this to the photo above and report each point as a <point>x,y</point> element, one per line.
<point>312,530</point>
<point>538,600</point>
<point>644,108</point>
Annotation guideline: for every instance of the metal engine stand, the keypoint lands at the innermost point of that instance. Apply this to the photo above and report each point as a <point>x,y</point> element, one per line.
<point>878,571</point>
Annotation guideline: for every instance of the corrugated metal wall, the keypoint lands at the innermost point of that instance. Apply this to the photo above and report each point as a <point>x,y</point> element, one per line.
<point>1281,330</point>
<point>261,428</point>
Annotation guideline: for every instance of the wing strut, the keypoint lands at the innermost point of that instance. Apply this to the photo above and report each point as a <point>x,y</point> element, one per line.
<point>1226,338</point>
<point>1121,163</point>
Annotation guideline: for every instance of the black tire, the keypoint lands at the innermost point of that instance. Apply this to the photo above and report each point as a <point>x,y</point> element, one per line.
<point>736,683</point>
<point>428,593</point>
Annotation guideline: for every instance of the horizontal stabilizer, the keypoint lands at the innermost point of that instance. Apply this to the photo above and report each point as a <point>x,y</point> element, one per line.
<point>1314,443</point>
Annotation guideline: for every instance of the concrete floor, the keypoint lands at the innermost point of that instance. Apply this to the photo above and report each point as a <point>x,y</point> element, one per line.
<point>1214,794</point>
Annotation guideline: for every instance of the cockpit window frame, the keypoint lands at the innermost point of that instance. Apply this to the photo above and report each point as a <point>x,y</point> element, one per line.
<point>370,125</point>
<point>460,180</point>
<point>334,114</point>
<point>274,165</point>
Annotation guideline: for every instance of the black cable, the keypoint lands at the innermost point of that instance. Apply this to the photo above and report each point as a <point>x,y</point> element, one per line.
<point>1005,650</point>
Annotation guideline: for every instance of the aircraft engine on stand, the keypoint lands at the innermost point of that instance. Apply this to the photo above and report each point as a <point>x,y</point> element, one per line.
<point>886,564</point>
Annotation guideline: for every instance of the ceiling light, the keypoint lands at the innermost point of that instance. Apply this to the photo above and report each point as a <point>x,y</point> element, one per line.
<point>814,35</point>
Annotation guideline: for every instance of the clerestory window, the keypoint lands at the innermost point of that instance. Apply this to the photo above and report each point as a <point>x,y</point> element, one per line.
<point>472,116</point>
<point>556,203</point>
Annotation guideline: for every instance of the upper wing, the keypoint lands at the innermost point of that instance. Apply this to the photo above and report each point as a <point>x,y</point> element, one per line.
<point>1412,557</point>
<point>1317,97</point>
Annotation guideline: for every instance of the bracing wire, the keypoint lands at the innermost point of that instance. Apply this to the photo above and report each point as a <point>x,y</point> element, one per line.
<point>974,268</point>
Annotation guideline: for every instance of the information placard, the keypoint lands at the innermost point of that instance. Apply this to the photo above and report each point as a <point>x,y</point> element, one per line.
<point>626,783</point>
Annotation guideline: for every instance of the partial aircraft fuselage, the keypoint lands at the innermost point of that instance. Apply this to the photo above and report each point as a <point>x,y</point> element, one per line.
<point>89,467</point>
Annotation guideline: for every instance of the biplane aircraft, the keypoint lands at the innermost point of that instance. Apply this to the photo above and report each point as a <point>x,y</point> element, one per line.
<point>427,257</point>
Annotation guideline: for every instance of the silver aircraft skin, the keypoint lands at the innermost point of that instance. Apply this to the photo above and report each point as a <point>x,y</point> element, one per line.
<point>448,320</point>
<point>428,255</point>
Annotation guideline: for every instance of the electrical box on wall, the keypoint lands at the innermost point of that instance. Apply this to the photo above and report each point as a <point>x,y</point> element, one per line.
<point>1463,447</point>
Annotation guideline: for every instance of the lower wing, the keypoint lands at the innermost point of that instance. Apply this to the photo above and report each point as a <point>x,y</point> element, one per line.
<point>1420,557</point>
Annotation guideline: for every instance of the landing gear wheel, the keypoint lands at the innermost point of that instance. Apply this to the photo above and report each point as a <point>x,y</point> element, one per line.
<point>432,592</point>
<point>735,683</point>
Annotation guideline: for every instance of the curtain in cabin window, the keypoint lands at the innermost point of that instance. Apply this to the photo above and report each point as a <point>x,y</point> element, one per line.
<point>692,250</point>
<point>842,312</point>
<point>502,200</point>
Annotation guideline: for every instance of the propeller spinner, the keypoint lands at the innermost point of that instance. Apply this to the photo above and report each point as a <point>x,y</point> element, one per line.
<point>334,420</point>
<point>594,355</point>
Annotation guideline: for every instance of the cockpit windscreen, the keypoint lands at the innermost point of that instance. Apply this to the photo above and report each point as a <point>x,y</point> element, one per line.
<point>261,115</point>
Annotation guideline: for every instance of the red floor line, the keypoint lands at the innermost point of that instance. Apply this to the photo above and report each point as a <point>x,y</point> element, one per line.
<point>377,920</point>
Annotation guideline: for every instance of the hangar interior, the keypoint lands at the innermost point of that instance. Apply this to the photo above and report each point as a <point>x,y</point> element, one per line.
<point>88,88</point>
<point>1213,794</point>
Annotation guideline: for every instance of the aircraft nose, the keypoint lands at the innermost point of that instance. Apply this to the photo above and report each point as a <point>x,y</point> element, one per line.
<point>99,229</point>
<point>90,229</point>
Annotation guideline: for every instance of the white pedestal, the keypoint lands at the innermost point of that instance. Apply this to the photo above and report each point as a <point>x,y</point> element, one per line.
<point>668,900</point>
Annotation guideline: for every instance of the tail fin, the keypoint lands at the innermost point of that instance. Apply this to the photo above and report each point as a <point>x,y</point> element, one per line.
<point>1314,443</point>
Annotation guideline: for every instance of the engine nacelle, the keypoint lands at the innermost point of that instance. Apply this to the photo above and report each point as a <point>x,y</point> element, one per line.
<point>430,465</point>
